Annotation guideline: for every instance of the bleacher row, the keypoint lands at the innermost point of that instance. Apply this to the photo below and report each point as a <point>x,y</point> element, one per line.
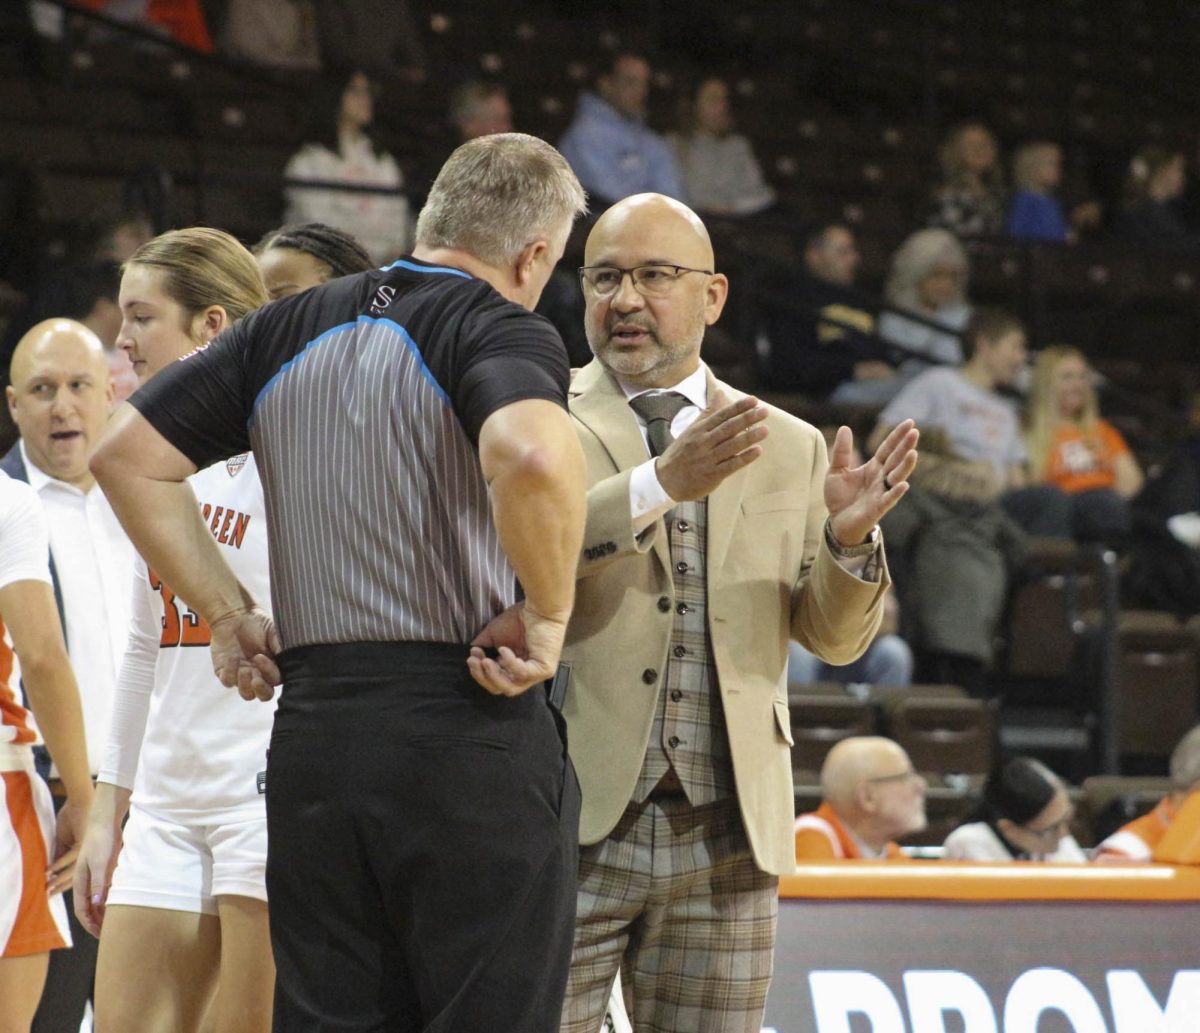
<point>845,104</point>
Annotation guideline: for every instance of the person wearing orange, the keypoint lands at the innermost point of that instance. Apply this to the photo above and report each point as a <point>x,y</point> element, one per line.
<point>1137,840</point>
<point>872,797</point>
<point>1071,448</point>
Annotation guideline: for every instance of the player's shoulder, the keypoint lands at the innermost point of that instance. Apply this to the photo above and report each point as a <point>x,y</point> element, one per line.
<point>17,498</point>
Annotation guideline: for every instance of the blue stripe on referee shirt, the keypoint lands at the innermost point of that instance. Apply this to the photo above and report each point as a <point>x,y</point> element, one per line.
<point>409,343</point>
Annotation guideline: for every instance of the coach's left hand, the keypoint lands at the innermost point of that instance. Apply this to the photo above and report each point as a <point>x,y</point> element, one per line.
<point>858,497</point>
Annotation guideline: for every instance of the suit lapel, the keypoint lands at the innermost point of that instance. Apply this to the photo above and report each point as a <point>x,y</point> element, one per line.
<point>599,404</point>
<point>724,503</point>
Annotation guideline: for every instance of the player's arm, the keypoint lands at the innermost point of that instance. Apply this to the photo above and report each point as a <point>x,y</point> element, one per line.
<point>31,615</point>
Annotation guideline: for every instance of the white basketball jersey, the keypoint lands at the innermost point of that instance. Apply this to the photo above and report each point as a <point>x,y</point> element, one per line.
<point>204,745</point>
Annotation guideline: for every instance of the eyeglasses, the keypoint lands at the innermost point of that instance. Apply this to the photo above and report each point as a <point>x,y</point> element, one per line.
<point>900,776</point>
<point>1055,829</point>
<point>650,281</point>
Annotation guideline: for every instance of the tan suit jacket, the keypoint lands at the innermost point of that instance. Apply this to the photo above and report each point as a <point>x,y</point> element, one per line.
<point>771,577</point>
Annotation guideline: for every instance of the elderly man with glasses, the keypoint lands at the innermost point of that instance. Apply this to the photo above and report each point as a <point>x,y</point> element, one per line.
<point>870,798</point>
<point>717,530</point>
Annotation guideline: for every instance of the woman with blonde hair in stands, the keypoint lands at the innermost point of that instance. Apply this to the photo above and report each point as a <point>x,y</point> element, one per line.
<point>182,921</point>
<point>969,200</point>
<point>1071,448</point>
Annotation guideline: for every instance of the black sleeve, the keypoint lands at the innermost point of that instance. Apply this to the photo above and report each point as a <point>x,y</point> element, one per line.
<point>199,404</point>
<point>513,359</point>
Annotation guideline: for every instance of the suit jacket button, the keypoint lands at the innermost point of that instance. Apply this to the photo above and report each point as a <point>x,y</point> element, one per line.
<point>649,676</point>
<point>673,741</point>
<point>664,604</point>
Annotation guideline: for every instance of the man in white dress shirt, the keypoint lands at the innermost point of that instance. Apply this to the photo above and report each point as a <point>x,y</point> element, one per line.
<point>59,399</point>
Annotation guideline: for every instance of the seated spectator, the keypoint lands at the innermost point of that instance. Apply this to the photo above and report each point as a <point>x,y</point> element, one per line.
<point>276,33</point>
<point>1034,212</point>
<point>1025,816</point>
<point>1074,450</point>
<point>1154,184</point>
<point>887,661</point>
<point>477,108</point>
<point>928,278</point>
<point>871,796</point>
<point>821,331</point>
<point>345,154</point>
<point>969,200</point>
<point>608,144</point>
<point>721,176</point>
<point>1137,840</point>
<point>953,542</point>
<point>480,109</point>
<point>294,258</point>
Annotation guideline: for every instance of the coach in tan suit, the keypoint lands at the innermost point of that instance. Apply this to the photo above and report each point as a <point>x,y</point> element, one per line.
<point>698,567</point>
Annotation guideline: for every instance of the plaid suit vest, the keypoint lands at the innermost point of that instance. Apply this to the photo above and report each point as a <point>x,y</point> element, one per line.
<point>688,735</point>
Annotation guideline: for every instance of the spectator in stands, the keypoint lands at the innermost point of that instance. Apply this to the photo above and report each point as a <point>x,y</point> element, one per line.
<point>821,331</point>
<point>1073,449</point>
<point>1137,840</point>
<point>721,176</point>
<point>960,530</point>
<point>480,108</point>
<point>969,201</point>
<point>345,154</point>
<point>871,797</point>
<point>1034,212</point>
<point>1154,184</point>
<point>928,279</point>
<point>1025,816</point>
<point>294,258</point>
<point>278,33</point>
<point>608,144</point>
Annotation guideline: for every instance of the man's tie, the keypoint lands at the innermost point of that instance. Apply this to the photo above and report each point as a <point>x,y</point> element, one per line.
<point>658,411</point>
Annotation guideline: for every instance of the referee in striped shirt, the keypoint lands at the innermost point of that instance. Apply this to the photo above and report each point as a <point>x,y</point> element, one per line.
<point>418,463</point>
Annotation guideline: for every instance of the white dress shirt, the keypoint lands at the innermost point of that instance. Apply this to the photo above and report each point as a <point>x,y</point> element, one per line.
<point>93,560</point>
<point>648,500</point>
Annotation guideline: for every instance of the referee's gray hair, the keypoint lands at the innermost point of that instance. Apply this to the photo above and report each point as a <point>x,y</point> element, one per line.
<point>497,194</point>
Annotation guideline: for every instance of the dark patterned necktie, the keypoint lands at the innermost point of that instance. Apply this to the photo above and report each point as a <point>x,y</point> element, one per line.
<point>658,411</point>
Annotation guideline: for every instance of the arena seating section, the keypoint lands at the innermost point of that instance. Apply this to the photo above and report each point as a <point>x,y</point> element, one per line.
<point>844,103</point>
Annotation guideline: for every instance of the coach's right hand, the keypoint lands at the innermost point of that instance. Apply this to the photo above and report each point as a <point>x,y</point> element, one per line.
<point>528,645</point>
<point>724,438</point>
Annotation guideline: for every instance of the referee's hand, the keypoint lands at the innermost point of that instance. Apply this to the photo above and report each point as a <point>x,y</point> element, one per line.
<point>527,646</point>
<point>244,646</point>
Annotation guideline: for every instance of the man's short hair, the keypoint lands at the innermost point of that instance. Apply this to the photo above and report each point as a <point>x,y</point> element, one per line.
<point>497,194</point>
<point>990,322</point>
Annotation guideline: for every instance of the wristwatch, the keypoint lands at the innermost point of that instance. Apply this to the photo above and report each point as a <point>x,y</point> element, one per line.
<point>849,552</point>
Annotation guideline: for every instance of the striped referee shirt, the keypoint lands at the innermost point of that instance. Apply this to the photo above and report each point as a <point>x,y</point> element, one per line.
<point>362,400</point>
